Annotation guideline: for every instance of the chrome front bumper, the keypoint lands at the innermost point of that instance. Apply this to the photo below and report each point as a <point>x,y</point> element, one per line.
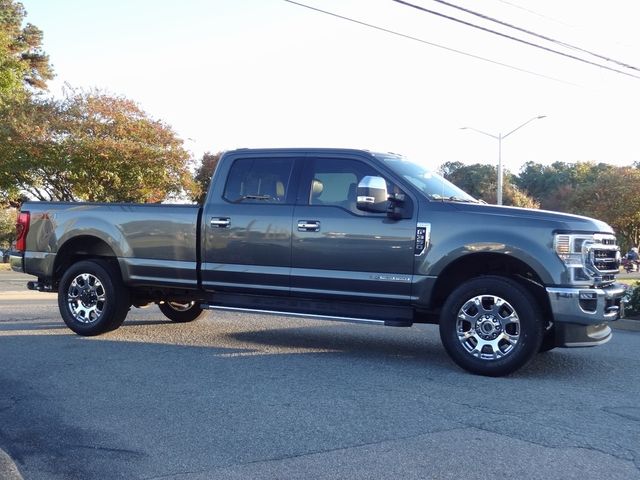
<point>581,315</point>
<point>586,306</point>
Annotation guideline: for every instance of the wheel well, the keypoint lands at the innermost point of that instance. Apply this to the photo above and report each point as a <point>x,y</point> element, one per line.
<point>81,248</point>
<point>479,264</point>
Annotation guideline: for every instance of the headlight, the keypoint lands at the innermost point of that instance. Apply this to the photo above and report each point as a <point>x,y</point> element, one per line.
<point>589,258</point>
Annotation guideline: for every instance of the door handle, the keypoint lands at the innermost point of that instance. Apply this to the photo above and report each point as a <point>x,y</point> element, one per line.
<point>222,222</point>
<point>308,226</point>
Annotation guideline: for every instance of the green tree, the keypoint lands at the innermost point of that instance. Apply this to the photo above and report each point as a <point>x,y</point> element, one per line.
<point>24,70</point>
<point>91,146</point>
<point>8,217</point>
<point>612,196</point>
<point>449,168</point>
<point>512,195</point>
<point>23,64</point>
<point>477,180</point>
<point>539,180</point>
<point>481,181</point>
<point>553,185</point>
<point>203,175</point>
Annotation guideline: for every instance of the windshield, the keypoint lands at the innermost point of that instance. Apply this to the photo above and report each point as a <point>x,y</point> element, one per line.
<point>430,183</point>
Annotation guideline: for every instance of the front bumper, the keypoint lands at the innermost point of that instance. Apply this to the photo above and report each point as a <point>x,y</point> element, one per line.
<point>581,314</point>
<point>572,335</point>
<point>586,306</point>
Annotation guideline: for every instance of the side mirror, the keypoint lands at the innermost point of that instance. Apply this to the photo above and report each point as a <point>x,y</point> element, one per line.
<point>372,195</point>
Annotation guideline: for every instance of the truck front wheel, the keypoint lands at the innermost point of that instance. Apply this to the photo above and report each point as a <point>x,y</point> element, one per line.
<point>181,312</point>
<point>92,298</point>
<point>491,326</point>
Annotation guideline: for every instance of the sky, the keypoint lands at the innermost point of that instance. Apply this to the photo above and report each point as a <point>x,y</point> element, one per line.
<point>269,73</point>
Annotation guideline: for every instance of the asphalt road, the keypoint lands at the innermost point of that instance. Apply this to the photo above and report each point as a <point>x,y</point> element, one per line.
<point>236,396</point>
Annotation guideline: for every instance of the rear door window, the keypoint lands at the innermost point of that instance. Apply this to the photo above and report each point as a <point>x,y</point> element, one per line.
<point>259,180</point>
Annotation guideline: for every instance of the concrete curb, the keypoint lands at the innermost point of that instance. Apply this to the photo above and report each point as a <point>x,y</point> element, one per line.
<point>626,324</point>
<point>8,469</point>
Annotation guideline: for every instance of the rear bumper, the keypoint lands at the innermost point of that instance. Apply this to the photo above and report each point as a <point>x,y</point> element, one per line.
<point>16,260</point>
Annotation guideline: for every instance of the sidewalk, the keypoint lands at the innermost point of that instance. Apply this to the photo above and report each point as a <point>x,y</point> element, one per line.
<point>8,469</point>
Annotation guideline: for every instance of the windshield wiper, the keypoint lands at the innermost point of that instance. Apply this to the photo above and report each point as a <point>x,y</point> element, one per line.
<point>453,198</point>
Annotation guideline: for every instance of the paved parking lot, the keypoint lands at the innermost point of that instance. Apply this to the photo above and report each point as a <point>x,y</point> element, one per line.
<point>236,396</point>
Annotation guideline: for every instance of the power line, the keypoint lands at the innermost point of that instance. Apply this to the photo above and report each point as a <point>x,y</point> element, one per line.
<point>426,42</point>
<point>533,12</point>
<point>558,42</point>
<point>510,37</point>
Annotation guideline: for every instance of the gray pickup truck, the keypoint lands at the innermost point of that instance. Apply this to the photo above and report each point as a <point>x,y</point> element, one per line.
<point>335,234</point>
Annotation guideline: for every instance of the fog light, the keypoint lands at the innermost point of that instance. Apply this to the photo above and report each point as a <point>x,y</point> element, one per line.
<point>588,301</point>
<point>588,296</point>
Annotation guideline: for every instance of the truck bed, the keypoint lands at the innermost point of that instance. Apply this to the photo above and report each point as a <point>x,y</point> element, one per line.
<point>155,244</point>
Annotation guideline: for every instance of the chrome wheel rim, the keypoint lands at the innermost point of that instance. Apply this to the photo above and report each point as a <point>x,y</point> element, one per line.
<point>488,327</point>
<point>86,298</point>
<point>181,307</point>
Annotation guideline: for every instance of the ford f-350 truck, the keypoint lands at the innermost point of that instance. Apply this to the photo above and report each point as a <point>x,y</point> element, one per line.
<point>335,234</point>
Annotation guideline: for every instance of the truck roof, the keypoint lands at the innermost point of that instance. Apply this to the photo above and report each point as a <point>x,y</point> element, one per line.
<point>301,150</point>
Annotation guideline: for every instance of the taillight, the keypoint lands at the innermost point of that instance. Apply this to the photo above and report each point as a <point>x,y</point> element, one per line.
<point>22,228</point>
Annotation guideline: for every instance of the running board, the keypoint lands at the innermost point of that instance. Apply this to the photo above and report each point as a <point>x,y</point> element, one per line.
<point>352,312</point>
<point>313,316</point>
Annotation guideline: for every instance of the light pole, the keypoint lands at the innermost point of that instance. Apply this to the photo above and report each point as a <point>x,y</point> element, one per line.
<point>501,137</point>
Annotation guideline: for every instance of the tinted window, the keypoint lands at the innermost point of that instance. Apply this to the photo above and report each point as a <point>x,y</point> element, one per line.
<point>259,180</point>
<point>334,181</point>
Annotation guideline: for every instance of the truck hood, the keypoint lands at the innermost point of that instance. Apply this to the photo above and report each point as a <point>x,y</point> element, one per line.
<point>561,221</point>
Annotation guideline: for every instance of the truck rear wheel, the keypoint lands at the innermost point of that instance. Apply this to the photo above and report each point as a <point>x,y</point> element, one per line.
<point>181,312</point>
<point>491,326</point>
<point>92,298</point>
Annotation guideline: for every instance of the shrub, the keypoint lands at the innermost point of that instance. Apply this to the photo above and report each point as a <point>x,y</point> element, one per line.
<point>632,300</point>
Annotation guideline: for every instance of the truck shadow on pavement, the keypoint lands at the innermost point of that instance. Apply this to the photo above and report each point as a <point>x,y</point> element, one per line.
<point>423,348</point>
<point>415,347</point>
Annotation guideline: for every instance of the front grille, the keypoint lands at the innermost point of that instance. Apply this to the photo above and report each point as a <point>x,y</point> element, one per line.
<point>602,257</point>
<point>605,260</point>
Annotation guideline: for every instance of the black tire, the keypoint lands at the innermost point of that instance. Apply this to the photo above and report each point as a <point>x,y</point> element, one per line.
<point>181,312</point>
<point>491,326</point>
<point>92,298</point>
<point>548,340</point>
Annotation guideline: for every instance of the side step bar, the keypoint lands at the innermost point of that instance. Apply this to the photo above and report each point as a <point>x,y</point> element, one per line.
<point>314,316</point>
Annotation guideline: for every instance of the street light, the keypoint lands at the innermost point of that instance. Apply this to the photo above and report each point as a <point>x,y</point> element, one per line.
<point>501,137</point>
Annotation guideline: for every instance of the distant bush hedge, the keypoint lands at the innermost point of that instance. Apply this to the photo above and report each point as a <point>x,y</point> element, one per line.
<point>632,300</point>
